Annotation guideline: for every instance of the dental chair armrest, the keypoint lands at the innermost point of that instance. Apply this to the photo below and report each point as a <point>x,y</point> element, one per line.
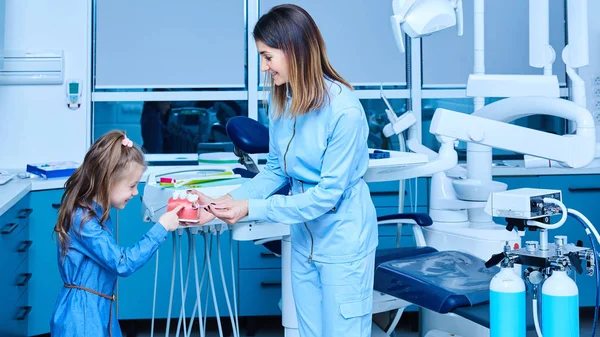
<point>417,220</point>
<point>421,219</point>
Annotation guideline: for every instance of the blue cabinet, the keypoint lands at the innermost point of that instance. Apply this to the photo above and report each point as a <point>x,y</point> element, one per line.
<point>260,280</point>
<point>45,282</point>
<point>15,276</point>
<point>260,292</point>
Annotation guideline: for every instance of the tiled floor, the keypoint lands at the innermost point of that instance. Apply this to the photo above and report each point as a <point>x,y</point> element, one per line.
<point>271,327</point>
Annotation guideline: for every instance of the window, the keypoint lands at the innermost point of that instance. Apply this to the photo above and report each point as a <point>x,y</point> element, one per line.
<point>359,39</point>
<point>448,58</point>
<point>198,52</point>
<point>377,119</point>
<point>168,126</point>
<point>170,44</point>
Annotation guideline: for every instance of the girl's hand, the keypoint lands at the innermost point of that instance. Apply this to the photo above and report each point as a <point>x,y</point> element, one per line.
<point>230,211</point>
<point>170,220</point>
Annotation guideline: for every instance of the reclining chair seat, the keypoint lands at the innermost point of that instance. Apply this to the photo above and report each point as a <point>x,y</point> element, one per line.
<point>444,282</point>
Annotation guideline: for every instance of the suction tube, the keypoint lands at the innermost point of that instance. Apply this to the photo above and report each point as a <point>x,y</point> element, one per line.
<point>198,283</point>
<point>172,284</point>
<point>212,286</point>
<point>556,225</point>
<point>154,296</point>
<point>591,232</point>
<point>233,323</point>
<point>187,279</point>
<point>237,323</point>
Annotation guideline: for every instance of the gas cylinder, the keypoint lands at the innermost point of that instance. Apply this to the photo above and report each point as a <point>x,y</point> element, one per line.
<point>560,306</point>
<point>507,302</point>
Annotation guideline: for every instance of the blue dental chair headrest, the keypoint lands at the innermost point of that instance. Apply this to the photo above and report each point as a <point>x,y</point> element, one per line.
<point>248,135</point>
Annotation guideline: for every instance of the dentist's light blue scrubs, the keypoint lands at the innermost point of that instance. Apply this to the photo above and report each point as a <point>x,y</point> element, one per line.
<point>324,155</point>
<point>85,306</point>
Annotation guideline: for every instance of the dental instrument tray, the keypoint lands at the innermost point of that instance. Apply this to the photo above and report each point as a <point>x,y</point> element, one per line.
<point>53,169</point>
<point>386,165</point>
<point>213,180</point>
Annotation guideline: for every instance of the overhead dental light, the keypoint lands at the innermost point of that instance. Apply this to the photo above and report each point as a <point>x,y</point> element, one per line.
<point>419,18</point>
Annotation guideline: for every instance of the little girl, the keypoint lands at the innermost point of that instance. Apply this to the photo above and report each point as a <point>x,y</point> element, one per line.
<point>89,258</point>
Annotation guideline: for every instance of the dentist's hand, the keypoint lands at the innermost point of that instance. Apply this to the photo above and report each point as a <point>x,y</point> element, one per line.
<point>203,199</point>
<point>205,214</point>
<point>170,220</point>
<point>230,211</point>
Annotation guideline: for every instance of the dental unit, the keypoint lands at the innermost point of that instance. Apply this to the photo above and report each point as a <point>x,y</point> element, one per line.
<point>458,197</point>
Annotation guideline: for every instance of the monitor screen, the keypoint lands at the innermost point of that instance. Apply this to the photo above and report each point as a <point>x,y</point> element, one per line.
<point>73,87</point>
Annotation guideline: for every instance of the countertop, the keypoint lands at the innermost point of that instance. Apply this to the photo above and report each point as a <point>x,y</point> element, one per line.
<point>14,190</point>
<point>17,188</point>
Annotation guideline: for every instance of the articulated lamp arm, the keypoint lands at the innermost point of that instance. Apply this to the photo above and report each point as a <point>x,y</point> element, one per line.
<point>446,159</point>
<point>489,126</point>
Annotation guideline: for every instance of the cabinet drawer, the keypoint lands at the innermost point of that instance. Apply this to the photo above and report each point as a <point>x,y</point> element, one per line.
<point>519,182</point>
<point>16,218</point>
<point>253,256</point>
<point>15,318</point>
<point>260,292</point>
<point>21,316</point>
<point>15,246</point>
<point>577,191</point>
<point>18,282</point>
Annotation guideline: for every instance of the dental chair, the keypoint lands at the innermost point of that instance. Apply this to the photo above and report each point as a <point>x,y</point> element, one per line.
<point>446,282</point>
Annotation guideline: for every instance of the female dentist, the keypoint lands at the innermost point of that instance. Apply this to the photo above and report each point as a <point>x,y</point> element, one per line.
<point>318,143</point>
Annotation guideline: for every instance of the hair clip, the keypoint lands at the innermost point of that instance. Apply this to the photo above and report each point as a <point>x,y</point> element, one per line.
<point>127,142</point>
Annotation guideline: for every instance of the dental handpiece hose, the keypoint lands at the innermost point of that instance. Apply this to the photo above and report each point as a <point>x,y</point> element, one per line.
<point>214,295</point>
<point>233,325</point>
<point>184,289</point>
<point>172,284</point>
<point>592,233</point>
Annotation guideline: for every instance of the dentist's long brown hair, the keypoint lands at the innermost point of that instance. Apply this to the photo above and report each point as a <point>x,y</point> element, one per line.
<point>103,165</point>
<point>292,30</point>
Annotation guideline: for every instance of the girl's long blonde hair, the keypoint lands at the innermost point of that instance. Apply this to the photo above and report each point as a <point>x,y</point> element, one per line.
<point>103,165</point>
<point>292,30</point>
